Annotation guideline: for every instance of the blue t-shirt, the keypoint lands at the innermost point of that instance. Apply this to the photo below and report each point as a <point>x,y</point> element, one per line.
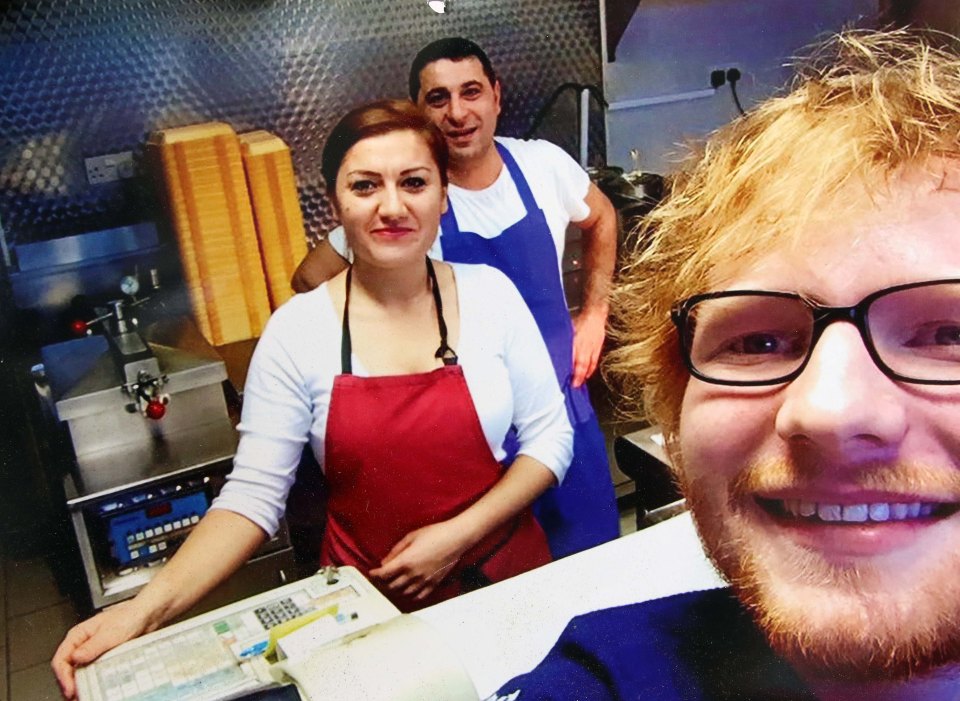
<point>701,646</point>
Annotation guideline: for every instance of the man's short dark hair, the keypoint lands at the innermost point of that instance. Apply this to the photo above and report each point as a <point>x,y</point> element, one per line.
<point>452,48</point>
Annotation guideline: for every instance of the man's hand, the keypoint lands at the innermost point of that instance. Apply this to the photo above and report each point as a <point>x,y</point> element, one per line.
<point>422,559</point>
<point>589,331</point>
<point>321,263</point>
<point>86,641</point>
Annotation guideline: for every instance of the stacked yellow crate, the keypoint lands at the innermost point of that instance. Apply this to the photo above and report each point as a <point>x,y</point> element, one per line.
<point>276,207</point>
<point>203,174</point>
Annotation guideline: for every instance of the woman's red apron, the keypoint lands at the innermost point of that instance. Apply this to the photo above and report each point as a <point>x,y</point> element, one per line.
<point>406,451</point>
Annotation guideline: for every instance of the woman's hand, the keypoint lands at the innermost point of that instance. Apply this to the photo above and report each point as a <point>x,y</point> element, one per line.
<point>422,559</point>
<point>86,641</point>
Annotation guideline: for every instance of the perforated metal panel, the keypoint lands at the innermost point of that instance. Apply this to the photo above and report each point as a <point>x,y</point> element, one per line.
<point>90,77</point>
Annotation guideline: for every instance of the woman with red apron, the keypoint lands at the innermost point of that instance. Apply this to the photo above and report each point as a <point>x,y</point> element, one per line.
<point>417,500</point>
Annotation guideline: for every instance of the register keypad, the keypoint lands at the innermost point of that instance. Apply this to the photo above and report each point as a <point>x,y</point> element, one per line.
<point>278,612</point>
<point>170,671</point>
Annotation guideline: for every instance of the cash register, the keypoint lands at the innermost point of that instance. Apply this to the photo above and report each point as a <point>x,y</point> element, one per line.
<point>332,635</point>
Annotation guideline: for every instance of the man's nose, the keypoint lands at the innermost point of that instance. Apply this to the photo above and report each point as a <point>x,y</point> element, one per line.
<point>456,110</point>
<point>842,404</point>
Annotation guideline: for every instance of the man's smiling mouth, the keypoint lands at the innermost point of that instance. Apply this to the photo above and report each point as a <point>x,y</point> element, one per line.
<point>460,133</point>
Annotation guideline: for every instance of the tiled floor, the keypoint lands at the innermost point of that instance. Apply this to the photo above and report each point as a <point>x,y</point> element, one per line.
<point>36,617</point>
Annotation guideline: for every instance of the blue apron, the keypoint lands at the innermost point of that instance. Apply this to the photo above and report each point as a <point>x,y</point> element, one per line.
<point>582,512</point>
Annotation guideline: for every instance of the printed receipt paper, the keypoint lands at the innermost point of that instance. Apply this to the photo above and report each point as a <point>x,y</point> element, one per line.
<point>402,659</point>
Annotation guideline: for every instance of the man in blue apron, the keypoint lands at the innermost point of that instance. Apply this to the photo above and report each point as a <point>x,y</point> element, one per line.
<point>510,202</point>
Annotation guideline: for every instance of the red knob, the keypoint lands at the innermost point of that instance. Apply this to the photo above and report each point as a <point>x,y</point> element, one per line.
<point>156,409</point>
<point>78,326</point>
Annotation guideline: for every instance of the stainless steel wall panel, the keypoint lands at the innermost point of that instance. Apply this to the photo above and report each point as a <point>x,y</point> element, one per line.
<point>91,77</point>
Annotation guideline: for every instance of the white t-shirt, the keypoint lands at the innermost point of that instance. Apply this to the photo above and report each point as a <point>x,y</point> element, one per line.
<point>287,390</point>
<point>558,183</point>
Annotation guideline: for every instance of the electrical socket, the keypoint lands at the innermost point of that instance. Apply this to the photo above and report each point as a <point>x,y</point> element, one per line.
<point>720,75</point>
<point>109,167</point>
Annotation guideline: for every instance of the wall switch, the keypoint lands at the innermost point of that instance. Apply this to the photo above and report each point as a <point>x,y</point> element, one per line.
<point>109,167</point>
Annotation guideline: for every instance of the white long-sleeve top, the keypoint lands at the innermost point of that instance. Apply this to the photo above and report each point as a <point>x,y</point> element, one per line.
<point>287,392</point>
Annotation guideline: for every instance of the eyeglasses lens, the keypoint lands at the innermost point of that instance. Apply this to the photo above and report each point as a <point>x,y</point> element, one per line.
<point>916,331</point>
<point>749,338</point>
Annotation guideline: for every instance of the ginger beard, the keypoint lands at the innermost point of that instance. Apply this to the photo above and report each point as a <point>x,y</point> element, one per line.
<point>876,618</point>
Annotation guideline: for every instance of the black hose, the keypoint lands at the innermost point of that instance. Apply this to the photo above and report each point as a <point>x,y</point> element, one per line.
<point>594,91</point>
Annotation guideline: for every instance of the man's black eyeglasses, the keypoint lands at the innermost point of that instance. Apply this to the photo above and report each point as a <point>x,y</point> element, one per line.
<point>759,337</point>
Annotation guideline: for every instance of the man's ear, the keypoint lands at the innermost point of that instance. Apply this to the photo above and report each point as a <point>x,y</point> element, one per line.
<point>496,94</point>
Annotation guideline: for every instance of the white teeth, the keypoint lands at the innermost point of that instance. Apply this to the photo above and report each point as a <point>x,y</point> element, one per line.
<point>829,512</point>
<point>858,513</point>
